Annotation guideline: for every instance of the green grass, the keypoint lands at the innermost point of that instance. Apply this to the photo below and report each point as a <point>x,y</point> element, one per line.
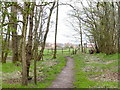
<point>49,73</point>
<point>10,67</point>
<point>47,52</point>
<point>59,51</point>
<point>82,78</point>
<point>107,57</point>
<point>0,67</point>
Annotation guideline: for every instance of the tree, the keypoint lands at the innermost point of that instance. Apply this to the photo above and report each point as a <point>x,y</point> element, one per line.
<point>99,22</point>
<point>30,38</point>
<point>5,41</point>
<point>100,19</point>
<point>119,26</point>
<point>55,49</point>
<point>32,28</point>
<point>24,61</point>
<point>46,33</point>
<point>78,27</point>
<point>13,18</point>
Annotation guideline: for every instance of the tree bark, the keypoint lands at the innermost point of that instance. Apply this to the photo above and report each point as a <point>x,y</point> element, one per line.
<point>24,61</point>
<point>47,30</point>
<point>81,37</point>
<point>119,27</point>
<point>56,27</point>
<point>29,44</point>
<point>14,34</point>
<point>5,42</point>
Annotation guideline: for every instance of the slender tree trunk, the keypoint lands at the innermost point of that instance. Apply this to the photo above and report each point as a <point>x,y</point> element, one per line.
<point>119,26</point>
<point>35,59</point>
<point>5,46</point>
<point>55,49</point>
<point>47,30</point>
<point>29,44</point>
<point>81,36</point>
<point>96,47</point>
<point>3,51</point>
<point>36,43</point>
<point>24,61</point>
<point>5,41</point>
<point>14,35</point>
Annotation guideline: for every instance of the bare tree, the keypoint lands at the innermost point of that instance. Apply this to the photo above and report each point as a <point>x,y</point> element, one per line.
<point>119,26</point>
<point>102,28</point>
<point>14,33</point>
<point>5,41</point>
<point>76,15</point>
<point>30,38</point>
<point>46,33</point>
<point>24,61</point>
<point>56,27</point>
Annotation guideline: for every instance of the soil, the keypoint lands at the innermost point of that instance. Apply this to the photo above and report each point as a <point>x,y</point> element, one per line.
<point>66,77</point>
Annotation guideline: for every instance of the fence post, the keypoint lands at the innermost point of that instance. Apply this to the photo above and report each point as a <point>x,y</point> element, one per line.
<point>48,51</point>
<point>73,51</point>
<point>52,50</point>
<point>69,50</point>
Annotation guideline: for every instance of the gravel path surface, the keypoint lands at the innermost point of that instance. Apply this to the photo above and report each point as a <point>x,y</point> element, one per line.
<point>65,78</point>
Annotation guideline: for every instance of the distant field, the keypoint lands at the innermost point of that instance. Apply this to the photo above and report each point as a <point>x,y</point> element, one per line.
<point>46,53</point>
<point>59,51</point>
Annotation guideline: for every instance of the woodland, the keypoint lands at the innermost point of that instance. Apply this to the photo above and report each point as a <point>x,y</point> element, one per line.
<point>25,61</point>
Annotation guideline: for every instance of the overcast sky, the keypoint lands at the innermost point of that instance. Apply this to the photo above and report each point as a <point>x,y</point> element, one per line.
<point>65,32</point>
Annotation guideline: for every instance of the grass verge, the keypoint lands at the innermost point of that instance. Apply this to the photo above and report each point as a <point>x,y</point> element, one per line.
<point>82,78</point>
<point>45,69</point>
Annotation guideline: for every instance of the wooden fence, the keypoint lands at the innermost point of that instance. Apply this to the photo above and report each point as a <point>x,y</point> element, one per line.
<point>62,51</point>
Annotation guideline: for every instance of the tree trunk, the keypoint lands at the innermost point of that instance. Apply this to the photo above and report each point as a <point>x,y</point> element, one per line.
<point>35,71</point>
<point>24,61</point>
<point>36,37</point>
<point>80,35</point>
<point>119,26</point>
<point>29,44</point>
<point>5,42</point>
<point>14,35</point>
<point>47,30</point>
<point>55,49</point>
<point>96,47</point>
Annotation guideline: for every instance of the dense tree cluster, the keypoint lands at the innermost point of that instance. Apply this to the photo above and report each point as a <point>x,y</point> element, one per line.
<point>101,24</point>
<point>27,25</point>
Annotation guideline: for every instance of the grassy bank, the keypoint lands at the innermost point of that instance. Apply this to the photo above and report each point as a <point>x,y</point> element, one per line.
<point>92,71</point>
<point>47,71</point>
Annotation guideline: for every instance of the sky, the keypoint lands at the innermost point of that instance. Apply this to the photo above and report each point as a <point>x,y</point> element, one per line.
<point>65,32</point>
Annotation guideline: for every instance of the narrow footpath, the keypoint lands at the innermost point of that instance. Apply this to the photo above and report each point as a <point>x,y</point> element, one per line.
<point>66,77</point>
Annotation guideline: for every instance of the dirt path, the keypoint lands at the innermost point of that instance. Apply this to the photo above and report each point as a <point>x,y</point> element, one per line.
<point>65,78</point>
